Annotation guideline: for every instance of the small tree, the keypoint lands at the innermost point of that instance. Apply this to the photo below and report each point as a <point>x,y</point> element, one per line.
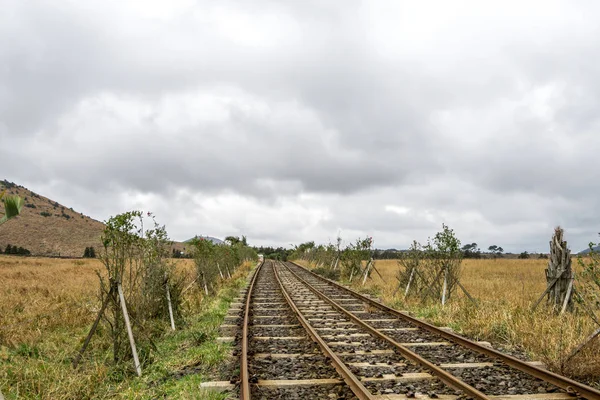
<point>496,251</point>
<point>408,274</point>
<point>443,258</point>
<point>471,251</point>
<point>524,255</point>
<point>206,268</point>
<point>354,255</point>
<point>89,252</point>
<point>137,261</point>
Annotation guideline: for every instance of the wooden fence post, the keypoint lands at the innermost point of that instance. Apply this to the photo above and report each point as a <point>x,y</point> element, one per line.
<point>169,302</point>
<point>136,361</point>
<point>445,288</point>
<point>410,279</point>
<point>367,271</point>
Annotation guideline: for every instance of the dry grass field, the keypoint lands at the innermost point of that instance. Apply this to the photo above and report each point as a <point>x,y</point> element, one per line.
<point>505,289</point>
<point>47,307</point>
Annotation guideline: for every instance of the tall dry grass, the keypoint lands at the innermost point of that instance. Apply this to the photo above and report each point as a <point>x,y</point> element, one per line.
<point>505,290</point>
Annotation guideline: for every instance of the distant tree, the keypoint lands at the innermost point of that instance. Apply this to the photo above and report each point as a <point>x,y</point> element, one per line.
<point>471,251</point>
<point>8,249</point>
<point>232,240</point>
<point>524,255</point>
<point>89,252</point>
<point>496,251</point>
<point>543,256</point>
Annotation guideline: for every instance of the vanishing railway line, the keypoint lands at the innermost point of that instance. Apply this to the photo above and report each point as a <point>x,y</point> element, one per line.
<point>305,337</point>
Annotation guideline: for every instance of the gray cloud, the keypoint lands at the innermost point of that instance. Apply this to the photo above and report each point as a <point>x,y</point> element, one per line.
<point>293,121</point>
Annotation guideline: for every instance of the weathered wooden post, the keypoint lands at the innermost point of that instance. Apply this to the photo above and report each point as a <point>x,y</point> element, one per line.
<point>559,275</point>
<point>445,286</point>
<point>367,268</point>
<point>136,360</point>
<point>169,302</point>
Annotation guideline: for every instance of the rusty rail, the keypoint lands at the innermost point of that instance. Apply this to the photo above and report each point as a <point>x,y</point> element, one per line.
<point>244,381</point>
<point>355,384</point>
<point>569,385</point>
<point>443,375</point>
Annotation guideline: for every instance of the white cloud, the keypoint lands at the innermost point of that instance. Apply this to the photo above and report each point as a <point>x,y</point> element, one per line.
<point>295,121</point>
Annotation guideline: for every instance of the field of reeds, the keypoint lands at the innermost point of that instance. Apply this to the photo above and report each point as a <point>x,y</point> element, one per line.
<point>46,309</point>
<point>505,290</point>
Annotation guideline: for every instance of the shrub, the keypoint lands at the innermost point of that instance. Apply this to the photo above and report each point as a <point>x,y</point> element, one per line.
<point>30,205</point>
<point>16,250</point>
<point>353,256</point>
<point>23,252</point>
<point>442,269</point>
<point>138,261</point>
<point>89,252</point>
<point>45,214</point>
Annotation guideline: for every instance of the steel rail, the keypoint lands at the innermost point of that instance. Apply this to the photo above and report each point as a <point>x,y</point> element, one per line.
<point>355,384</point>
<point>244,381</point>
<point>569,385</point>
<point>443,375</point>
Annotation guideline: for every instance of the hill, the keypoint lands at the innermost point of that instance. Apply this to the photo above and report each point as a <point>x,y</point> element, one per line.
<point>212,239</point>
<point>587,251</point>
<point>47,228</point>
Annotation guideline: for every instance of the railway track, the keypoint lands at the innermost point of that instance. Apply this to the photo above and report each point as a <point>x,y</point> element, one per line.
<point>305,337</point>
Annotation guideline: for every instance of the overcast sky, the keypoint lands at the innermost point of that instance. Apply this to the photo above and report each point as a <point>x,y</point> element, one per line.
<point>290,121</point>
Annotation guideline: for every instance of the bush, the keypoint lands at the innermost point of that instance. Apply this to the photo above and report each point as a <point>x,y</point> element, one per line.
<point>45,214</point>
<point>23,252</point>
<point>16,250</point>
<point>30,205</point>
<point>7,184</point>
<point>89,252</point>
<point>138,261</point>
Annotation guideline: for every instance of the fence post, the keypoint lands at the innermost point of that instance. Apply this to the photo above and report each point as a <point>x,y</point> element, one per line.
<point>367,272</point>
<point>136,361</point>
<point>412,274</point>
<point>445,289</point>
<point>169,302</point>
